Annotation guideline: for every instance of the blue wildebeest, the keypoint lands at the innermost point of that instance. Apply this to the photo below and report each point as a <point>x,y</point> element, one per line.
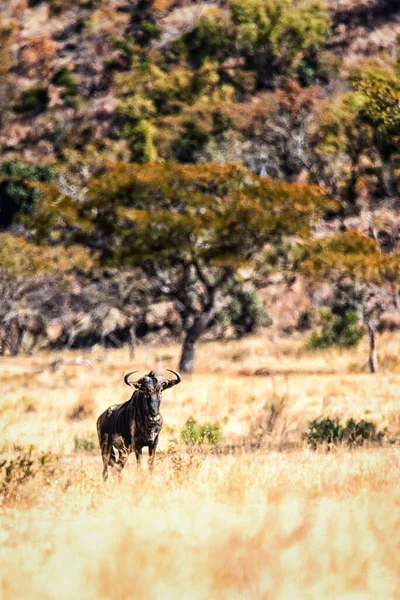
<point>129,427</point>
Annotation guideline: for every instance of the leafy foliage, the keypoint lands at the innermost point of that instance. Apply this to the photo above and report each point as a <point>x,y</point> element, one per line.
<point>24,259</point>
<point>194,433</point>
<point>140,141</point>
<point>245,312</point>
<point>65,79</point>
<point>361,275</point>
<point>148,31</point>
<point>330,432</point>
<point>350,254</point>
<point>86,443</point>
<point>33,100</point>
<point>378,100</point>
<point>217,215</point>
<point>292,112</point>
<point>192,142</point>
<point>342,331</point>
<point>16,196</point>
<point>228,53</point>
<point>273,35</point>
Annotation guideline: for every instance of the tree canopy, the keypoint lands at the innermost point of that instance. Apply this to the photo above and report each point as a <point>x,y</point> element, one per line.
<point>24,259</point>
<point>350,254</point>
<point>363,277</point>
<point>190,228</point>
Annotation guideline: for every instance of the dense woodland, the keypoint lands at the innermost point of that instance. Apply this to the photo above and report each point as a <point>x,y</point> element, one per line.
<point>165,164</point>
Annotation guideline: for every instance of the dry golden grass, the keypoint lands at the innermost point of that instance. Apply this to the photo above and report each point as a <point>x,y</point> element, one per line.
<point>266,524</point>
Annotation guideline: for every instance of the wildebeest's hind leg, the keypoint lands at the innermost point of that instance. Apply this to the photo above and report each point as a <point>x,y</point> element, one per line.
<point>119,455</point>
<point>106,448</point>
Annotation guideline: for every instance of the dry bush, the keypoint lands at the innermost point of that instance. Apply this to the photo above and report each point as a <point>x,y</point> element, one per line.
<point>393,419</point>
<point>270,425</point>
<point>182,465</point>
<point>24,403</point>
<point>390,363</point>
<point>85,406</point>
<point>20,469</point>
<point>37,56</point>
<point>106,20</point>
<point>163,5</point>
<point>27,403</point>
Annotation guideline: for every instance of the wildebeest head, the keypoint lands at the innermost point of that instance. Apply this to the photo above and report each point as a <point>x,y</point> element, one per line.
<point>152,386</point>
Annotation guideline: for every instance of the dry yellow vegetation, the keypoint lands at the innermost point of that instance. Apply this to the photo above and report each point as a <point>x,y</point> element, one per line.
<point>280,522</point>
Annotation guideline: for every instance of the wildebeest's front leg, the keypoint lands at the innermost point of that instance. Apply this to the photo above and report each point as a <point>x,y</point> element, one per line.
<point>152,454</point>
<point>138,454</point>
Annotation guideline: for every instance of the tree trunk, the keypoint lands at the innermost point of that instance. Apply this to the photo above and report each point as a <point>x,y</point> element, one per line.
<point>389,179</point>
<point>373,357</point>
<point>132,341</point>
<point>192,336</point>
<point>186,362</point>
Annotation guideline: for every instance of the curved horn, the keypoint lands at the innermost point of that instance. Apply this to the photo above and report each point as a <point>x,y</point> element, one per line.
<point>173,381</point>
<point>126,378</point>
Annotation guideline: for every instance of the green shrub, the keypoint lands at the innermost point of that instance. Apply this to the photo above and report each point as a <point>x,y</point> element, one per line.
<point>211,36</point>
<point>64,78</point>
<point>272,34</point>
<point>148,32</point>
<point>221,122</point>
<point>178,48</point>
<point>341,331</point>
<point>125,45</point>
<point>34,99</point>
<point>194,433</point>
<point>140,141</point>
<point>330,432</point>
<point>191,142</point>
<point>15,195</point>
<point>245,312</point>
<point>86,443</point>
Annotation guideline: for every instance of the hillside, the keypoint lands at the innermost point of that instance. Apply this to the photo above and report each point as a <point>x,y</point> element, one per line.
<point>79,114</point>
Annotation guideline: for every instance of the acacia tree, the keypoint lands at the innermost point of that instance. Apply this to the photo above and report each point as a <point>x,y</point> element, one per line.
<point>190,228</point>
<point>33,281</point>
<point>362,277</point>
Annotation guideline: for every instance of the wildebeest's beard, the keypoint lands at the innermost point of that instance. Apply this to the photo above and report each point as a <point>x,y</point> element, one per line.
<point>153,401</point>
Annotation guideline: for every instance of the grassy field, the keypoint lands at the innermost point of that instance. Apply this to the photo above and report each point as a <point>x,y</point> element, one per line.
<point>258,517</point>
